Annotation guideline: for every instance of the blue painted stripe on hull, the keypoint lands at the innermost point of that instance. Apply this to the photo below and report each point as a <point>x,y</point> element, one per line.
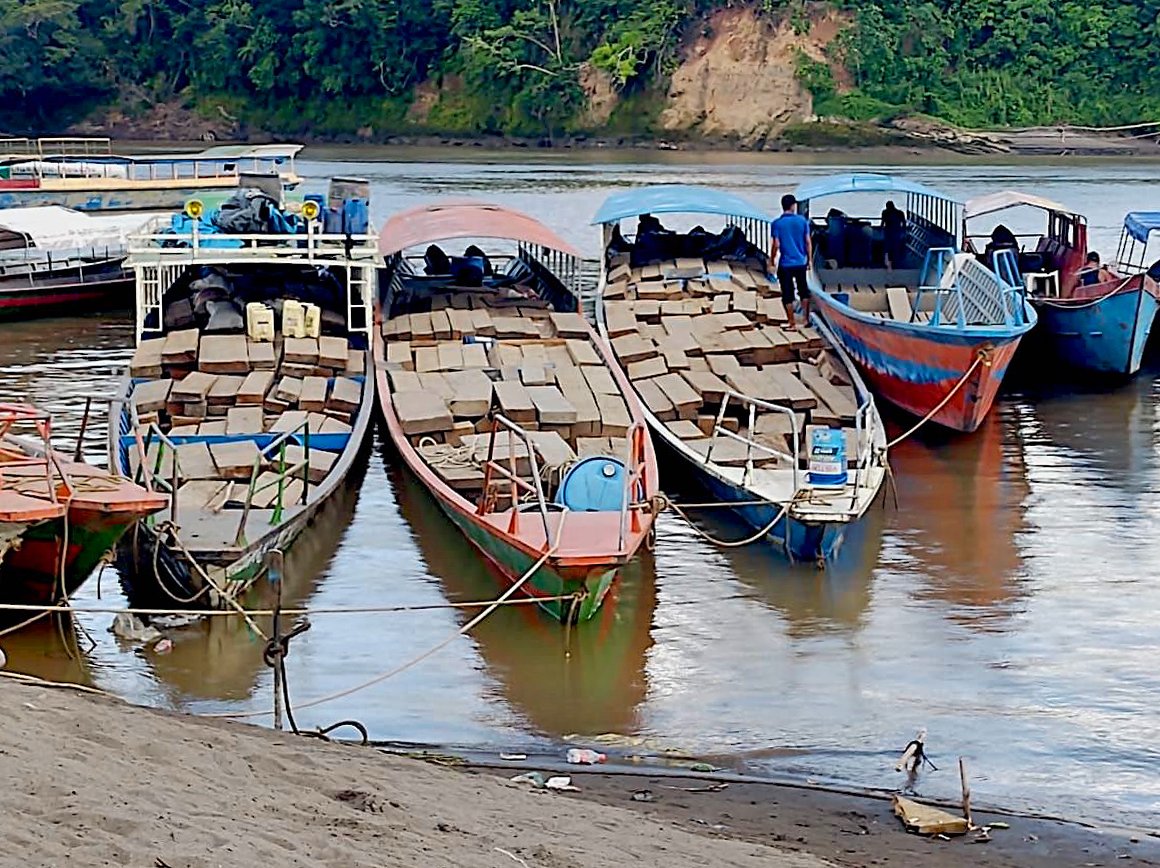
<point>1106,337</point>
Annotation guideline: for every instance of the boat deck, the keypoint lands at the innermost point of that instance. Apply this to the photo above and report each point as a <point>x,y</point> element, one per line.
<point>233,424</point>
<point>691,332</point>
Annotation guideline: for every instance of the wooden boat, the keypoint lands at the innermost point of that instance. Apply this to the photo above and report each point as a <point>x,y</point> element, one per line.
<point>1096,321</point>
<point>503,402</point>
<point>52,258</point>
<point>58,516</point>
<point>937,323</point>
<point>696,321</point>
<point>254,421</point>
<point>86,175</point>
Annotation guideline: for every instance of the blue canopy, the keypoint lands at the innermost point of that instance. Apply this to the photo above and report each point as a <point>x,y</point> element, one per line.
<point>864,182</point>
<point>676,199</point>
<point>1140,224</point>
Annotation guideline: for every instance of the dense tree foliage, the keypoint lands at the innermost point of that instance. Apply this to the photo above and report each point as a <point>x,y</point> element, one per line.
<point>520,66</point>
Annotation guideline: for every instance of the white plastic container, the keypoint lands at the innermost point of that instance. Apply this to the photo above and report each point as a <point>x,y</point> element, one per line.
<point>293,319</point>
<point>259,322</point>
<point>312,320</point>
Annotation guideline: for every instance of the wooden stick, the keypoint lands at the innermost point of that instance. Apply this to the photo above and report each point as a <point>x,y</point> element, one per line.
<point>966,793</point>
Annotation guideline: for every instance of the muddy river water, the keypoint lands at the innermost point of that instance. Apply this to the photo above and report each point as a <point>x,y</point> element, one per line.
<point>1009,603</point>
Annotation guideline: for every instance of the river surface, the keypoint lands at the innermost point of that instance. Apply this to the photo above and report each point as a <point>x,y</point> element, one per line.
<point>1009,603</point>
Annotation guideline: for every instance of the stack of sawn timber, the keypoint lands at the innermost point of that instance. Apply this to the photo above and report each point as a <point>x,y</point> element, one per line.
<point>687,331</point>
<point>451,369</point>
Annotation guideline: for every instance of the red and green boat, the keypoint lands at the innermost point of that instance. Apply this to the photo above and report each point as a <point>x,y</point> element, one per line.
<point>58,517</point>
<point>505,404</point>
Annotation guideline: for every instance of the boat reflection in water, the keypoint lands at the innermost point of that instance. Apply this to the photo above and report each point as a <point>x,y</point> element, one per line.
<point>596,688</point>
<point>219,658</point>
<point>51,648</point>
<point>961,512</point>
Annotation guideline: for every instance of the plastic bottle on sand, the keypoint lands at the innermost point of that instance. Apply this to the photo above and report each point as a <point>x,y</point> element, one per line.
<point>579,757</point>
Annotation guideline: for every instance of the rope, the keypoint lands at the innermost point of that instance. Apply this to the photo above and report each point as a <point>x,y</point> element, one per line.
<point>741,542</point>
<point>1056,303</point>
<point>466,628</point>
<point>980,359</point>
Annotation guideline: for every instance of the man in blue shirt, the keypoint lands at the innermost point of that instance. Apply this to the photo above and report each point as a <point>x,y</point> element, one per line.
<point>791,239</point>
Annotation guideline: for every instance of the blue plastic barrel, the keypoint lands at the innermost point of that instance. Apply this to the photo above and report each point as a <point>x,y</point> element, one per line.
<point>594,484</point>
<point>827,457</point>
<point>355,216</point>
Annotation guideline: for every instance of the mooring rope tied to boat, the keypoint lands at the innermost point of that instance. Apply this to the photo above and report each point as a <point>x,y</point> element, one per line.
<point>1049,302</point>
<point>982,358</point>
<point>741,542</point>
<point>414,661</point>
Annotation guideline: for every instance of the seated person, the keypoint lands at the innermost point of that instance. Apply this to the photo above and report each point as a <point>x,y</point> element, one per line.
<point>1002,238</point>
<point>476,255</point>
<point>1092,272</point>
<point>648,224</point>
<point>893,235</point>
<point>435,261</point>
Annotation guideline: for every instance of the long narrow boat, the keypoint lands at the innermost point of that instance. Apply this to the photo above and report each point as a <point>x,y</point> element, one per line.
<point>738,399</point>
<point>85,174</point>
<point>53,258</point>
<point>248,397</point>
<point>935,331</point>
<point>58,516</point>
<point>503,402</point>
<point>1095,320</point>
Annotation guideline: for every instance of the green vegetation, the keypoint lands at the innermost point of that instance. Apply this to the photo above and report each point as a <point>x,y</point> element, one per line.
<point>520,67</point>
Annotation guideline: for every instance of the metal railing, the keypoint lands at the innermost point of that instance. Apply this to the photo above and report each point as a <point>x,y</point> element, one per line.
<point>751,444</point>
<point>156,240</point>
<point>14,416</point>
<point>968,293</point>
<point>282,474</point>
<point>517,484</point>
<point>635,470</point>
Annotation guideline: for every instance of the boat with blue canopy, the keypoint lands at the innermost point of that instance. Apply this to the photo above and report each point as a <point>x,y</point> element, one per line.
<point>933,329</point>
<point>1093,317</point>
<point>774,424</point>
<point>249,396</point>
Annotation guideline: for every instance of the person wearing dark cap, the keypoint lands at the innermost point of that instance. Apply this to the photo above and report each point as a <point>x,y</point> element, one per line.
<point>791,254</point>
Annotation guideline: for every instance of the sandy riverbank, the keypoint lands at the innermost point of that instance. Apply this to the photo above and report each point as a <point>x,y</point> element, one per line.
<point>96,782</point>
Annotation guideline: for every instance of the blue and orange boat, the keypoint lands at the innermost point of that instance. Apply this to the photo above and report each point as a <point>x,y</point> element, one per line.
<point>932,329</point>
<point>1094,319</point>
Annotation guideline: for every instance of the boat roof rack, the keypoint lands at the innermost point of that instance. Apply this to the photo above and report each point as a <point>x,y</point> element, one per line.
<point>1141,224</point>
<point>992,203</point>
<point>677,199</point>
<point>865,182</point>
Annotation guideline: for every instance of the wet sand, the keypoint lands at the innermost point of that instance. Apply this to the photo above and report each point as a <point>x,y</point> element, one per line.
<point>94,782</point>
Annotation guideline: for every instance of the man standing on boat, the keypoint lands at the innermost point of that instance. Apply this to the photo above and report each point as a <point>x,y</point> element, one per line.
<point>791,239</point>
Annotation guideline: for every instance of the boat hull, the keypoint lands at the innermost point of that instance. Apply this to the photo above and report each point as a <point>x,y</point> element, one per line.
<point>139,197</point>
<point>30,573</point>
<point>915,367</point>
<point>25,302</point>
<point>1105,336</point>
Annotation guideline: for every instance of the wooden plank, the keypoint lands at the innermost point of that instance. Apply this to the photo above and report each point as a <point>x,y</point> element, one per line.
<point>224,354</point>
<point>514,402</point>
<point>583,353</point>
<point>721,365</point>
<point>677,389</point>
<point>332,352</point>
<point>647,311</point>
<point>599,380</point>
<point>234,460</point>
<point>180,347</point>
<point>675,358</point>
<point>898,300</point>
<point>426,359</point>
<point>288,390</point>
<point>436,383</point>
<point>536,375</point>
<point>619,318</point>
<point>471,394</point>
<point>313,394</point>
<point>421,413</point>
<point>647,369</point>
<point>553,449</point>
<point>656,400</point>
<point>614,418</point>
<point>440,325</point>
<point>244,420</point>
<point>254,387</point>
<point>194,386</point>
<point>568,325</point>
<point>794,390</point>
<point>194,461</point>
<point>708,385</point>
<point>399,355</point>
<point>514,328</point>
<point>302,351</point>
<point>734,320</point>
<point>356,363</point>
<point>633,348</point>
<point>291,420</point>
<point>838,401</point>
<point>684,429</point>
<point>481,319</point>
<point>146,361</point>
<point>461,322</point>
<point>450,356</point>
<point>151,396</point>
<point>552,408</point>
<point>474,357</point>
<point>224,391</point>
<point>578,394</point>
<point>745,302</point>
<point>421,330</point>
<point>345,396</point>
<point>925,820</point>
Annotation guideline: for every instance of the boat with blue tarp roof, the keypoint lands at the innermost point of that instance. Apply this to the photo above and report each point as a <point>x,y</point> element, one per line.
<point>1093,317</point>
<point>249,396</point>
<point>933,329</point>
<point>773,423</point>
